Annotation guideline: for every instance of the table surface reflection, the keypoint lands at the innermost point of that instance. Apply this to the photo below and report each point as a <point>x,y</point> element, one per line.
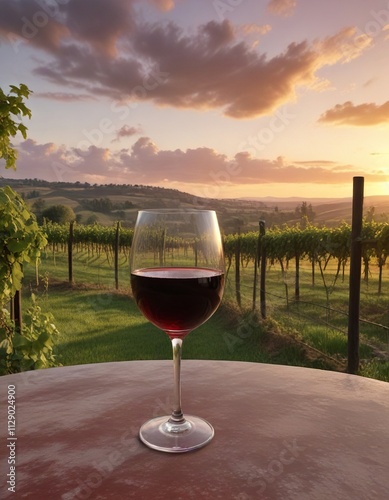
<point>281,432</point>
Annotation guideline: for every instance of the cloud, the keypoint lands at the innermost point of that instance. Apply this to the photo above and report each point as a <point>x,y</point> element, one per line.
<point>126,131</point>
<point>343,47</point>
<point>281,7</point>
<point>320,163</point>
<point>148,164</point>
<point>112,53</point>
<point>369,82</point>
<point>216,71</point>
<point>361,115</point>
<point>25,19</point>
<point>98,24</point>
<point>145,163</point>
<point>64,96</point>
<point>256,29</point>
<point>164,5</point>
<point>265,171</point>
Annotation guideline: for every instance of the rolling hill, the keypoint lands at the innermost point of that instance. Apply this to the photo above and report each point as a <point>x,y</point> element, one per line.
<point>122,202</point>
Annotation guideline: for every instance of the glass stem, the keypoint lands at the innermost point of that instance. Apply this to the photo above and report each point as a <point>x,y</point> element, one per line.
<point>177,415</point>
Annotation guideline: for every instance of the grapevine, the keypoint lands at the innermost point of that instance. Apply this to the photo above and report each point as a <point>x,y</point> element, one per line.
<point>317,244</point>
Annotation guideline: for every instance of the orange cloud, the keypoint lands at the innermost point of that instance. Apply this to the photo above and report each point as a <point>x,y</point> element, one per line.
<point>255,29</point>
<point>213,70</point>
<point>361,115</point>
<point>281,7</point>
<point>342,47</point>
<point>164,5</point>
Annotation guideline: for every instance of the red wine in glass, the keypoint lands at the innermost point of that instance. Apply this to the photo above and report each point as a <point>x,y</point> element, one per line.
<point>177,299</point>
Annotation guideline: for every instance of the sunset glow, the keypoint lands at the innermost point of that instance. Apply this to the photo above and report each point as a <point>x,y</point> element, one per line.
<point>216,98</point>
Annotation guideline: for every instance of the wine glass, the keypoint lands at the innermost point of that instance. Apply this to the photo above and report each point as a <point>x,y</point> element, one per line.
<point>177,279</point>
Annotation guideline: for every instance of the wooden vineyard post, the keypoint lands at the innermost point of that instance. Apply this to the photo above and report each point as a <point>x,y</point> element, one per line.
<point>70,252</point>
<point>297,278</point>
<point>116,250</point>
<point>161,249</point>
<point>355,276</point>
<point>16,310</point>
<point>237,256</point>
<point>237,270</point>
<point>262,281</point>
<point>256,262</point>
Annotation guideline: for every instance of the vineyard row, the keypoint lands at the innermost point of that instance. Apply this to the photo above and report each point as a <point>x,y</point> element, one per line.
<point>282,243</point>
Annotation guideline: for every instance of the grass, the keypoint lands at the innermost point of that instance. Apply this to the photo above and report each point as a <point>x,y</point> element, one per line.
<point>100,324</point>
<point>310,320</point>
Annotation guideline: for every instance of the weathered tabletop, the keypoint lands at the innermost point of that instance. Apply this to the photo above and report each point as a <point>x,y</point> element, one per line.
<point>280,433</point>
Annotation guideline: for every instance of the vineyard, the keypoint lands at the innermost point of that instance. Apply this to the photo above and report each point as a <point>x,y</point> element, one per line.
<point>319,246</point>
<point>306,276</point>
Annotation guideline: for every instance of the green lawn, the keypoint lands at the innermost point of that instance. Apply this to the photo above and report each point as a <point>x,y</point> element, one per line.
<point>100,325</point>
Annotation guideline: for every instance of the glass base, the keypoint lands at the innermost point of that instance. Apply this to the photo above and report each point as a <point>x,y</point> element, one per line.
<point>163,435</point>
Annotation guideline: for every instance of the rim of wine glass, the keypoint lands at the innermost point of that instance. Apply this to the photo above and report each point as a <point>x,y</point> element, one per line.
<point>175,210</point>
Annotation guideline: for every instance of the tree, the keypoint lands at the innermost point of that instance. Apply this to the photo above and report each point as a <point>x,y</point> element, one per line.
<point>61,214</point>
<point>37,207</point>
<point>305,211</point>
<point>103,205</point>
<point>92,219</point>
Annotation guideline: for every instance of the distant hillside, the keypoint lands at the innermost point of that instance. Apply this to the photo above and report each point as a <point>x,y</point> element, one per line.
<point>108,203</point>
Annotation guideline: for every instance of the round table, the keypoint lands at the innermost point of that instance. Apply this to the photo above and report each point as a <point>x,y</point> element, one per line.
<point>281,432</point>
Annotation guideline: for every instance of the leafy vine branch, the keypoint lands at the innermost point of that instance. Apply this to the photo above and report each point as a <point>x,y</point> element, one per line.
<point>12,105</point>
<point>21,240</point>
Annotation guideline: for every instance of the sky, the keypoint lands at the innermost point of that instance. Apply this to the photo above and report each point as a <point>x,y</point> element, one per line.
<point>217,98</point>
